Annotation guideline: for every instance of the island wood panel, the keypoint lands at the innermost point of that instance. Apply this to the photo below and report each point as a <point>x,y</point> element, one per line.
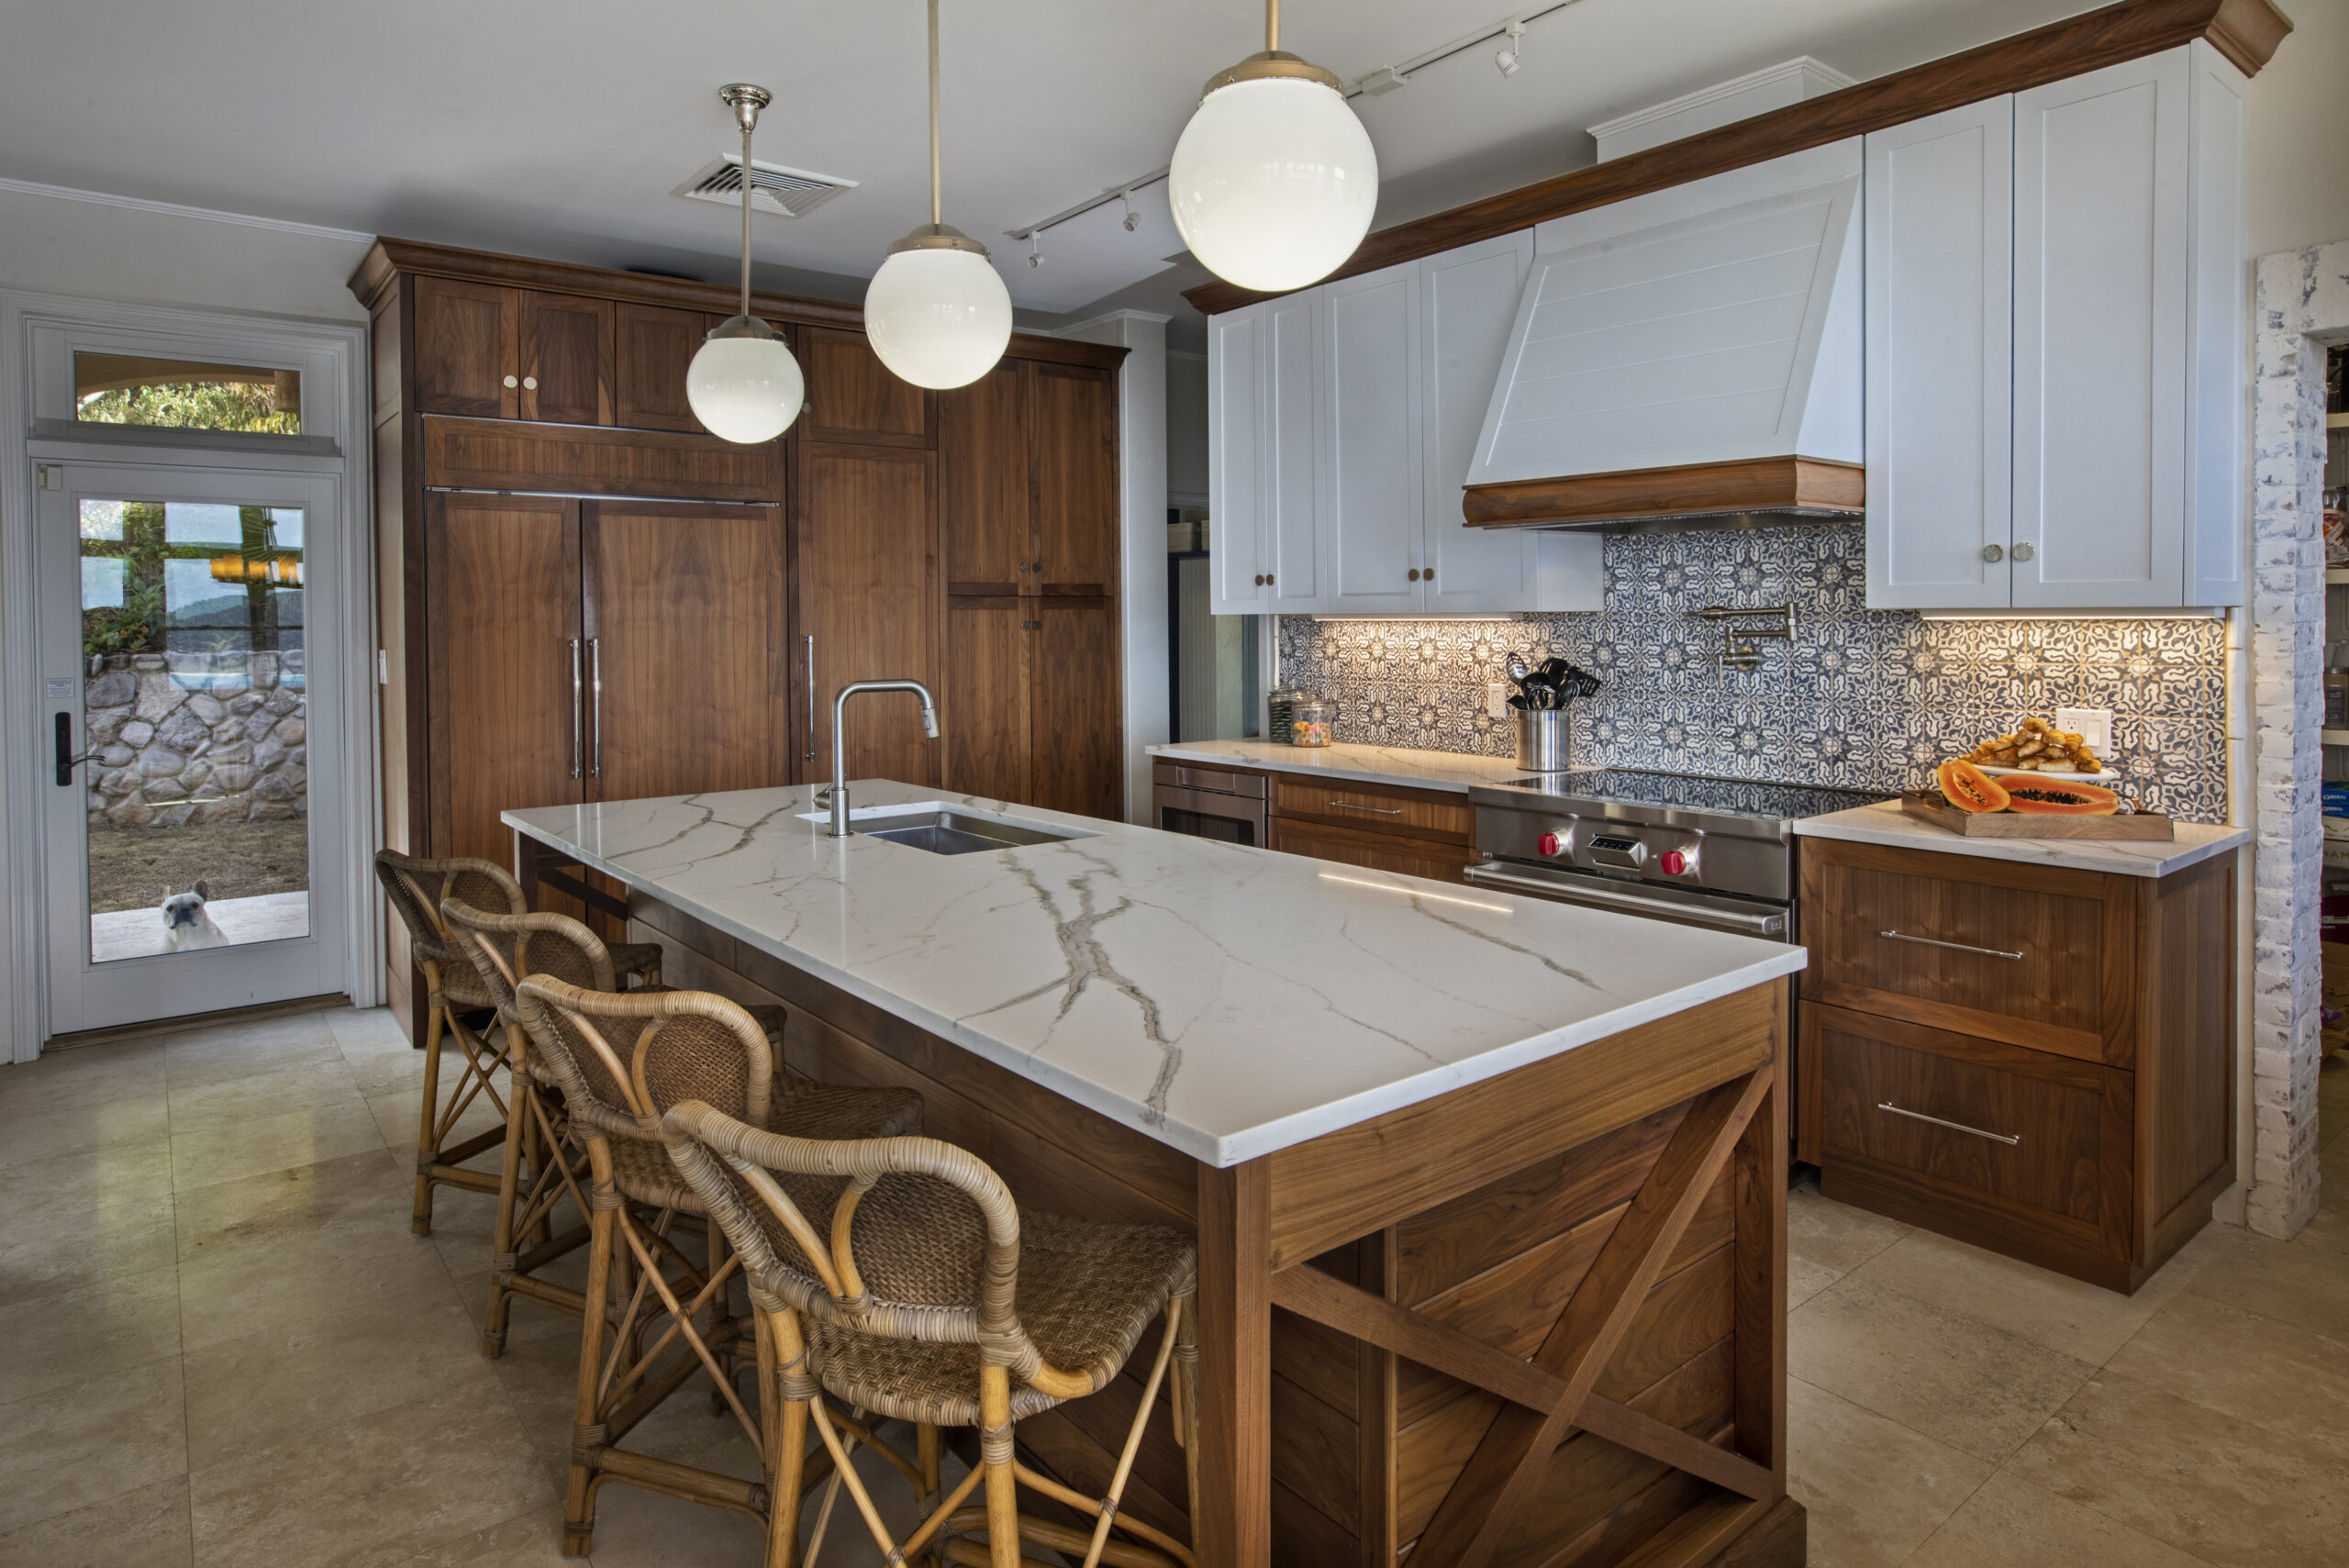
<point>1305,1468</point>
<point>566,358</point>
<point>504,710</point>
<point>1073,426</point>
<point>685,612</point>
<point>986,512</point>
<point>866,523</point>
<point>852,396</point>
<point>467,345</point>
<point>495,454</point>
<point>2072,990</point>
<point>652,347</point>
<point>2185,1056</point>
<point>1372,849</point>
<point>2246,31</point>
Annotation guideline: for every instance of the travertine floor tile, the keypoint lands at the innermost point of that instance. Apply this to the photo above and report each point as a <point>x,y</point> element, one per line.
<point>55,1342</point>
<point>81,1074</point>
<point>250,1050</point>
<point>33,1133</point>
<point>74,1446</point>
<point>376,1491</point>
<point>2231,1493</point>
<point>2013,1524</point>
<point>1875,1489</point>
<point>1978,1388</point>
<point>303,1279</point>
<point>2252,1368</point>
<point>143,1528</point>
<point>79,1218</point>
<point>312,1084</point>
<point>1834,1236</point>
<point>283,1141</point>
<point>531,1540</point>
<point>2301,1282</point>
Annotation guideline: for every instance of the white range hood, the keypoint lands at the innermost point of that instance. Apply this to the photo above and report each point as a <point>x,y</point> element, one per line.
<point>1691,357</point>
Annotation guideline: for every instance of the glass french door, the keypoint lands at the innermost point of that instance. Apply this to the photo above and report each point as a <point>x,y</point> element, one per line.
<point>191,737</point>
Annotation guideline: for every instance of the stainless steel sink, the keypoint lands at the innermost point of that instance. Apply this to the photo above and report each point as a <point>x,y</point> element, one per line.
<point>953,829</point>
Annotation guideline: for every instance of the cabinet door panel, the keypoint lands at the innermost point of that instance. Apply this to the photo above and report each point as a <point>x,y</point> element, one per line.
<point>1238,418</point>
<point>851,396</point>
<point>2219,285</point>
<point>1467,305</point>
<point>1940,360</point>
<point>1372,849</point>
<point>1077,740</point>
<point>986,512</point>
<point>684,609</point>
<point>985,716</point>
<point>1370,441</point>
<point>567,351</point>
<point>502,592</point>
<point>865,526</point>
<point>465,348</point>
<point>1072,424</point>
<point>2100,317</point>
<point>1292,449</point>
<point>653,347</point>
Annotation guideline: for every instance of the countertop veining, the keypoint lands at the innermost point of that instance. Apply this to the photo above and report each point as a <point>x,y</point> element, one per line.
<point>1225,1001</point>
<point>1886,823</point>
<point>1453,771</point>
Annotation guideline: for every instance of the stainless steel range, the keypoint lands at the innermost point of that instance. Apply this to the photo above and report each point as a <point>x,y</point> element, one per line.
<point>1700,852</point>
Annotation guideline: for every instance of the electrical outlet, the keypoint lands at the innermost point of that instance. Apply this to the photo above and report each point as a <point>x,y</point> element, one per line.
<point>1497,700</point>
<point>2092,725</point>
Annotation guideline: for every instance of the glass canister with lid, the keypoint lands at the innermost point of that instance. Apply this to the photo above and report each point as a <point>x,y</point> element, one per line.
<point>1280,710</point>
<point>1310,721</point>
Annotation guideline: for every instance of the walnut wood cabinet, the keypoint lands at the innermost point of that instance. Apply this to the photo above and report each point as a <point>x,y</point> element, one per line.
<point>1413,832</point>
<point>539,478</point>
<point>2035,1060</point>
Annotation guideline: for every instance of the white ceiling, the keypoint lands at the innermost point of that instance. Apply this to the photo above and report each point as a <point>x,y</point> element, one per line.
<point>558,128</point>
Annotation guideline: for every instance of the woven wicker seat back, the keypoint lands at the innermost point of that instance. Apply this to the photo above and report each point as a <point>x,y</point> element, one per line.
<point>624,1057</point>
<point>417,888</point>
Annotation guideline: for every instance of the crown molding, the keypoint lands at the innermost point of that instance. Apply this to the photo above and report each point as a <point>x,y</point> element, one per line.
<point>174,209</point>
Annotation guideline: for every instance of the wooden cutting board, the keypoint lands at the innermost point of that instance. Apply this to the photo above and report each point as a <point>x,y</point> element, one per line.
<point>1929,806</point>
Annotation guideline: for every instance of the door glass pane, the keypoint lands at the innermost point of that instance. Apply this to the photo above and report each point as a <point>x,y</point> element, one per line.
<point>127,389</point>
<point>195,713</point>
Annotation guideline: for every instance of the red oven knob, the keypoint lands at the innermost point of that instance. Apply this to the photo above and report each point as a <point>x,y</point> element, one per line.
<point>1549,844</point>
<point>1674,863</point>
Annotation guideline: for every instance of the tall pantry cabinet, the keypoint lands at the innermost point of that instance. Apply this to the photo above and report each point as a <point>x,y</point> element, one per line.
<point>582,596</point>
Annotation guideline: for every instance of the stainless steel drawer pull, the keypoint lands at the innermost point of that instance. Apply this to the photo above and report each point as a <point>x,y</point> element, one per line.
<point>1953,946</point>
<point>578,720</point>
<point>1382,810</point>
<point>1952,1126</point>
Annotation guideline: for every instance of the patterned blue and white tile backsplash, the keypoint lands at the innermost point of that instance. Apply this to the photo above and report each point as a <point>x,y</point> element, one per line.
<point>1862,700</point>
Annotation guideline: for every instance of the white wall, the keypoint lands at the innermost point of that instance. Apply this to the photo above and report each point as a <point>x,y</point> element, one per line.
<point>1186,428</point>
<point>1141,466</point>
<point>2299,133</point>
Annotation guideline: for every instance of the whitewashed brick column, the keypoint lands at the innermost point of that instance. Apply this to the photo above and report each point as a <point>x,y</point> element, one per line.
<point>2302,303</point>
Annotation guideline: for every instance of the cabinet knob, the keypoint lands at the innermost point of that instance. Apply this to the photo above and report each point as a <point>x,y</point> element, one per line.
<point>1993,553</point>
<point>2024,552</point>
<point>511,382</point>
<point>1260,579</point>
<point>1426,574</point>
<point>530,382</point>
<point>1268,579</point>
<point>1412,575</point>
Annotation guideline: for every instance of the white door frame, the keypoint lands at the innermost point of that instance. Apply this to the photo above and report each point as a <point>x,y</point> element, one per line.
<point>36,427</point>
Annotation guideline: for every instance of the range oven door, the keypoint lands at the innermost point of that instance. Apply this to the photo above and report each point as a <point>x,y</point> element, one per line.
<point>1718,912</point>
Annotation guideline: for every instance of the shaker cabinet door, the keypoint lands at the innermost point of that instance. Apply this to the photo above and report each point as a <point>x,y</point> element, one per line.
<point>985,503</point>
<point>1368,487</point>
<point>1238,425</point>
<point>1072,435</point>
<point>1292,452</point>
<point>465,347</point>
<point>566,358</point>
<point>2101,170</point>
<point>653,348</point>
<point>1468,301</point>
<point>1940,351</point>
<point>984,703</point>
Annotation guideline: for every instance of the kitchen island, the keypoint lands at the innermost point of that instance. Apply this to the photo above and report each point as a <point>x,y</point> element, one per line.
<point>1489,1192</point>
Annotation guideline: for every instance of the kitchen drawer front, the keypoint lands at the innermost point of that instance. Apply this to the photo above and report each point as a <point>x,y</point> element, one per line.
<point>1190,775</point>
<point>1421,814</point>
<point>2034,957</point>
<point>1372,849</point>
<point>1986,1142</point>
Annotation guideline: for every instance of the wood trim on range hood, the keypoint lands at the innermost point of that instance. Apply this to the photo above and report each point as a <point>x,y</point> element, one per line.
<point>1800,485</point>
<point>2246,31</point>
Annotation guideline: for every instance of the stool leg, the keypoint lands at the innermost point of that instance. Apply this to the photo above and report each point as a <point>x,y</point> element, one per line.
<point>1186,1403</point>
<point>501,1226</point>
<point>586,1431</point>
<point>779,1347</point>
<point>435,1011</point>
<point>1003,1498</point>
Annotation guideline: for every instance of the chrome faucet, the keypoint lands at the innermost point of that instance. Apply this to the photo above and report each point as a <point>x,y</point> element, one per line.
<point>840,829</point>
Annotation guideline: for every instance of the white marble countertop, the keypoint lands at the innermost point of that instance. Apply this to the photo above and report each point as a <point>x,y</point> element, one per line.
<point>1886,823</point>
<point>1225,1001</point>
<point>1454,770</point>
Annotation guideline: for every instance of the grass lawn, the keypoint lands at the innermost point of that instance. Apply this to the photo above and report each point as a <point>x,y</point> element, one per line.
<point>131,868</point>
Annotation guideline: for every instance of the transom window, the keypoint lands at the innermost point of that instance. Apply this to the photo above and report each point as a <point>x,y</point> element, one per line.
<point>187,395</point>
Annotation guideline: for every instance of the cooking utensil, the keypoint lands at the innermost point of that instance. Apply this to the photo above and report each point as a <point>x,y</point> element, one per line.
<point>1518,668</point>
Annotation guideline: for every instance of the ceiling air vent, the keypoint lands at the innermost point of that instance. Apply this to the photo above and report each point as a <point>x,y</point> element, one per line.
<point>790,193</point>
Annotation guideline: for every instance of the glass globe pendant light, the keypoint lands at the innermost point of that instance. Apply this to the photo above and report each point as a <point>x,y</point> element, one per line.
<point>1274,181</point>
<point>743,384</point>
<point>937,312</point>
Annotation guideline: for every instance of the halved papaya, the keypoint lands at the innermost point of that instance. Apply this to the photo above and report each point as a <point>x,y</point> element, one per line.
<point>1968,788</point>
<point>2059,797</point>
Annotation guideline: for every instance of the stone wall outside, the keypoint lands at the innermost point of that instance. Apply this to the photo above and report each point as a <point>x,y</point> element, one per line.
<point>197,739</point>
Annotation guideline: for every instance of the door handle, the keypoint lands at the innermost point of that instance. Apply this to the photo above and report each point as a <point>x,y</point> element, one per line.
<point>66,759</point>
<point>578,735</point>
<point>811,696</point>
<point>596,695</point>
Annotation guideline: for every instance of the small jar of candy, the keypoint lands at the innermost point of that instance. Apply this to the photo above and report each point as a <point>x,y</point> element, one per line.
<point>1309,720</point>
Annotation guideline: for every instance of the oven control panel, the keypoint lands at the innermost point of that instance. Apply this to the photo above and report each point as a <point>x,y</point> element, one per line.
<point>1636,851</point>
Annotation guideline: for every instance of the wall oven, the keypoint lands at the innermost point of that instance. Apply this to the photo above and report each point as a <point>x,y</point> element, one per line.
<point>1208,803</point>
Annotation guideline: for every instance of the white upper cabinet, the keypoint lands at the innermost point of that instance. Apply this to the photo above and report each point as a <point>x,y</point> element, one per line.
<point>1370,448</point>
<point>1292,440</point>
<point>1467,304</point>
<point>1237,428</point>
<point>1939,347</point>
<point>2096,357</point>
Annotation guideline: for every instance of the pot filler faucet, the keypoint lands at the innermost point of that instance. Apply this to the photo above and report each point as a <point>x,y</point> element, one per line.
<point>840,829</point>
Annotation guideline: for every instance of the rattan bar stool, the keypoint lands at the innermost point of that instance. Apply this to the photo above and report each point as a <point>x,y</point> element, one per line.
<point>622,1058</point>
<point>898,1275</point>
<point>416,889</point>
